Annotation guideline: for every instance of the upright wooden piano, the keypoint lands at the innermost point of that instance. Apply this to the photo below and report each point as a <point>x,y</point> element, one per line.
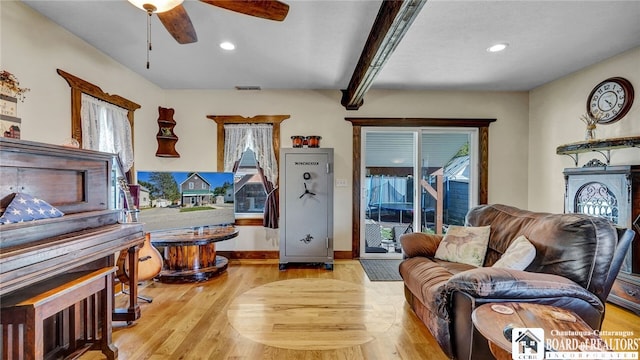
<point>56,275</point>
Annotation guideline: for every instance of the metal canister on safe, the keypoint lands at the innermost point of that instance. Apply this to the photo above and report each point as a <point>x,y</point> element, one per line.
<point>313,141</point>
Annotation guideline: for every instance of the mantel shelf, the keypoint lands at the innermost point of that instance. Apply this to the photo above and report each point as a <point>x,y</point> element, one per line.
<point>603,146</point>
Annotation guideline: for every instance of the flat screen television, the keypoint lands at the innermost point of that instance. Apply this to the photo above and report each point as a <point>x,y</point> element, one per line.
<point>172,200</point>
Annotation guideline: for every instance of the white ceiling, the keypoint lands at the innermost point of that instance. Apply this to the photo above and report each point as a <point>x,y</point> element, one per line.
<point>319,43</point>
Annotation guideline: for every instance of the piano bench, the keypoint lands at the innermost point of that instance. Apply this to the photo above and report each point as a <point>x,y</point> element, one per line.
<point>87,298</point>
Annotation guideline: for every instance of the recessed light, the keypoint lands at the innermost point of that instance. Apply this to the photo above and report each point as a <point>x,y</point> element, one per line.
<point>226,45</point>
<point>497,47</point>
<point>248,88</point>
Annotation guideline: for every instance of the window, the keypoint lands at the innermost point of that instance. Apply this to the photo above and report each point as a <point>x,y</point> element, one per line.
<point>81,87</point>
<point>245,164</point>
<point>105,127</point>
<point>103,107</point>
<point>250,195</point>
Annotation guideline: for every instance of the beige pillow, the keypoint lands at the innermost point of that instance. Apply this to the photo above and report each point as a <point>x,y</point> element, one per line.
<point>518,256</point>
<point>463,244</point>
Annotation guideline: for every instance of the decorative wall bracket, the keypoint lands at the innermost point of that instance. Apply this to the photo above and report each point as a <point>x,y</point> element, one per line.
<point>603,147</point>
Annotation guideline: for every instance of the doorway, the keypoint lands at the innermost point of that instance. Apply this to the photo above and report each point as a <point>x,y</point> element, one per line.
<point>414,179</point>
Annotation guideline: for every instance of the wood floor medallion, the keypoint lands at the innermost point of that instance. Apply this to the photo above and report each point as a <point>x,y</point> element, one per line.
<point>311,314</point>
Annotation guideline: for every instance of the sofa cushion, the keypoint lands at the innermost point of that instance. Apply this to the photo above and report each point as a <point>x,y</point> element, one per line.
<point>426,279</point>
<point>420,244</point>
<point>518,255</point>
<point>515,285</point>
<point>578,247</point>
<point>464,244</point>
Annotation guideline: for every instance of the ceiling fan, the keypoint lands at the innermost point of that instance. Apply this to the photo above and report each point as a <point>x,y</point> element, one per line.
<point>175,19</point>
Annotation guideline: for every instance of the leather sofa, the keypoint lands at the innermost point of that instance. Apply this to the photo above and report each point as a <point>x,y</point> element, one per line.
<point>577,259</point>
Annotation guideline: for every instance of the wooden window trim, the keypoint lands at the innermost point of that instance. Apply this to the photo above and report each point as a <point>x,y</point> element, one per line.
<point>78,87</point>
<point>222,120</point>
<point>483,164</point>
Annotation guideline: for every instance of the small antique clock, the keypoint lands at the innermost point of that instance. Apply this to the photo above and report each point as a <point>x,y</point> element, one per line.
<point>612,98</point>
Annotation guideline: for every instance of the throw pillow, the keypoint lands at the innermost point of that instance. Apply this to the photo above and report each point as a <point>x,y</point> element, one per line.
<point>463,244</point>
<point>25,207</point>
<point>518,256</point>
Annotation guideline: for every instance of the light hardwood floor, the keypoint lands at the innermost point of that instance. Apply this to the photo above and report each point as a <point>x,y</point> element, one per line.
<point>222,318</point>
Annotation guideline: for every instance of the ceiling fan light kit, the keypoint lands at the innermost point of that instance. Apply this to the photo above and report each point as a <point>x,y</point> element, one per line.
<point>156,6</point>
<point>176,20</point>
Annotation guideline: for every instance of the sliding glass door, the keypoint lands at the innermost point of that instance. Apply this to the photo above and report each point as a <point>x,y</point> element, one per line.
<point>421,179</point>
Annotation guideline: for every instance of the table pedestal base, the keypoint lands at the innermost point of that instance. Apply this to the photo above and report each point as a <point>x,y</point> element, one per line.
<point>194,275</point>
<point>190,254</point>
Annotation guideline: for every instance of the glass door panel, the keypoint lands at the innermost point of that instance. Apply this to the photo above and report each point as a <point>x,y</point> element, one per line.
<point>414,179</point>
<point>446,178</point>
<point>389,188</point>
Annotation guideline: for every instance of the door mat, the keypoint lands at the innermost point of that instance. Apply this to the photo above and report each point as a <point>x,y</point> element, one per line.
<point>382,269</point>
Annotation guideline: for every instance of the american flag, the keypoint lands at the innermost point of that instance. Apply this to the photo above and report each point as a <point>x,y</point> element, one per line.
<point>25,207</point>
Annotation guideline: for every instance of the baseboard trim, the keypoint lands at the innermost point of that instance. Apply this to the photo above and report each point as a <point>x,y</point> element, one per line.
<point>265,255</point>
<point>343,255</point>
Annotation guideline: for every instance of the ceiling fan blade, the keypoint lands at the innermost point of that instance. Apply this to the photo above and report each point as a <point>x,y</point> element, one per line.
<point>178,24</point>
<point>266,9</point>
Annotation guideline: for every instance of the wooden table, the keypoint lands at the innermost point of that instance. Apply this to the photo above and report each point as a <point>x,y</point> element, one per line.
<point>190,253</point>
<point>563,330</point>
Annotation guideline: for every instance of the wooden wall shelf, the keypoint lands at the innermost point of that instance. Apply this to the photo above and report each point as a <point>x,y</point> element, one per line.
<point>166,138</point>
<point>603,146</point>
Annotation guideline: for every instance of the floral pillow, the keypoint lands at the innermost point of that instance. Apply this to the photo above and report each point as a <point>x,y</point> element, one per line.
<point>518,256</point>
<point>25,207</point>
<point>464,244</point>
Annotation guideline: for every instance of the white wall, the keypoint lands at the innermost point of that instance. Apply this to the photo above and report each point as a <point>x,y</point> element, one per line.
<point>320,113</point>
<point>554,119</point>
<point>33,47</point>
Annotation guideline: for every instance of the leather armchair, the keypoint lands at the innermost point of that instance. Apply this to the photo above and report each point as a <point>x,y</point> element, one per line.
<point>577,260</point>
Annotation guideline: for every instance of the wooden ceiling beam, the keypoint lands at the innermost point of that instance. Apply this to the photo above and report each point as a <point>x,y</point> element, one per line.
<point>392,22</point>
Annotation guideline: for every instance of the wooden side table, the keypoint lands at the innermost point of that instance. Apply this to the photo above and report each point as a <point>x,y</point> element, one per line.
<point>560,326</point>
<point>190,254</point>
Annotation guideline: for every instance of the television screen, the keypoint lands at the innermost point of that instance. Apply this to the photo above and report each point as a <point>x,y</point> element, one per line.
<point>170,200</point>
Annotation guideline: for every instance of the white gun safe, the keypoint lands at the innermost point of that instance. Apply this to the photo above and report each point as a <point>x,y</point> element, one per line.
<point>306,206</point>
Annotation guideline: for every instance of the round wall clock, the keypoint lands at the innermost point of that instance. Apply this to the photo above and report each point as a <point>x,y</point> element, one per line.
<point>612,98</point>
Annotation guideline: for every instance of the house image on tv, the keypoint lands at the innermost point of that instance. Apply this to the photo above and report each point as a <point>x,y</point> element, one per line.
<point>530,344</point>
<point>161,203</point>
<point>196,191</point>
<point>144,198</point>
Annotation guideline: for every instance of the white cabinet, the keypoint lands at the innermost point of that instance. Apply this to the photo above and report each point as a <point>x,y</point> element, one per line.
<point>306,206</point>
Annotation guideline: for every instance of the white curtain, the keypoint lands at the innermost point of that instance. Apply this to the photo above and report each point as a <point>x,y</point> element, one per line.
<point>258,138</point>
<point>106,127</point>
<point>235,143</point>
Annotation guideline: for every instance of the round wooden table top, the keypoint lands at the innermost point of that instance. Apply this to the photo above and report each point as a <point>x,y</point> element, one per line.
<point>193,236</point>
<point>491,320</point>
